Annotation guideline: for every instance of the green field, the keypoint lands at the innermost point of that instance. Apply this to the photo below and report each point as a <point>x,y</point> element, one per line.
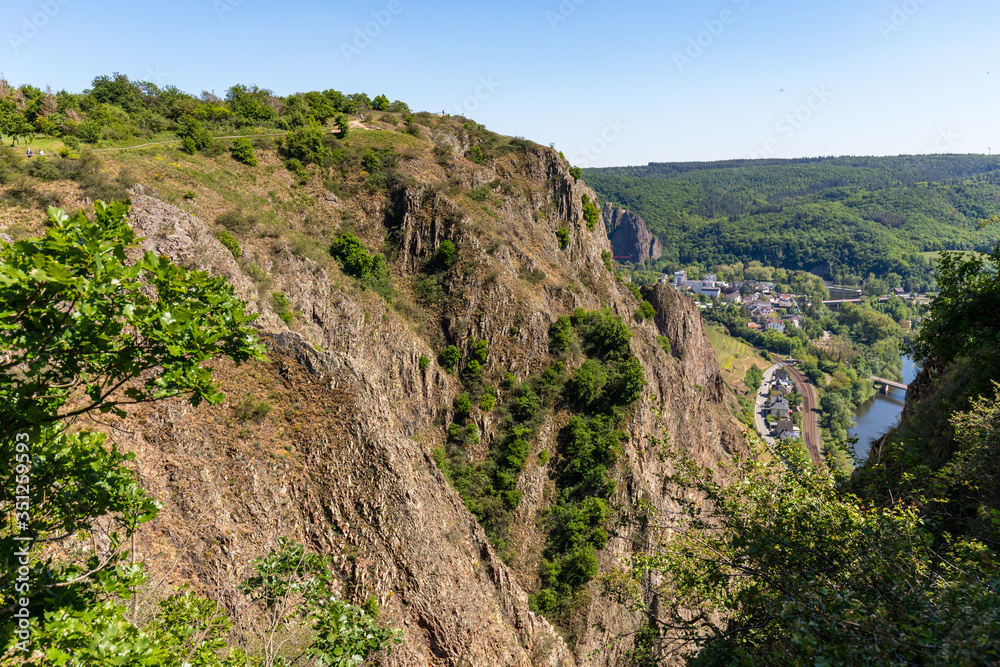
<point>932,255</point>
<point>734,356</point>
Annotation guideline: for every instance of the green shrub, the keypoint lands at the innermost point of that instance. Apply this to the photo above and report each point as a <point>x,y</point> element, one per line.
<point>194,135</point>
<point>562,234</point>
<point>645,312</point>
<point>446,256</point>
<point>463,406</point>
<point>449,358</point>
<point>282,307</point>
<point>370,162</point>
<point>526,404</point>
<point>228,240</point>
<point>249,409</point>
<point>562,335</point>
<point>604,334</point>
<point>473,370</point>
<point>488,399</point>
<point>590,212</point>
<point>664,343</point>
<point>242,151</point>
<point>588,383</point>
<point>370,270</point>
<point>476,155</point>
<point>424,362</point>
<point>543,457</point>
<point>305,145</point>
<point>190,194</point>
<point>343,124</point>
<point>481,350</point>
<point>606,257</point>
<point>575,172</point>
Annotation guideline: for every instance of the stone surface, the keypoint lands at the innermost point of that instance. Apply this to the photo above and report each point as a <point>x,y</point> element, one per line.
<point>344,459</point>
<point>629,235</point>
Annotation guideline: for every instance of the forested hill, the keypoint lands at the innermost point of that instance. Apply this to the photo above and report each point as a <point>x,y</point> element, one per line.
<point>840,217</point>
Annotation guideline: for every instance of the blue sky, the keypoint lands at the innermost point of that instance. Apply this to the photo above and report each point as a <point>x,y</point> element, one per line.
<point>609,83</point>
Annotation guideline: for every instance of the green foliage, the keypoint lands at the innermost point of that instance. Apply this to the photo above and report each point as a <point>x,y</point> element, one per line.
<point>462,406</point>
<point>242,151</point>
<point>449,358</point>
<point>590,212</point>
<point>343,125</point>
<point>250,103</point>
<point>562,335</point>
<point>488,399</point>
<point>576,172</point>
<point>645,311</point>
<point>664,343</point>
<point>604,335</point>
<point>587,384</point>
<point>476,155</point>
<point>304,144</point>
<point>118,329</point>
<point>562,234</point>
<point>282,307</point>
<point>447,256</point>
<point>370,162</point>
<point>195,135</point>
<point>231,244</point>
<point>852,215</point>
<point>292,586</point>
<point>380,103</point>
<point>424,362</point>
<point>370,270</point>
<point>543,457</point>
<point>807,574</point>
<point>962,319</point>
<point>79,321</point>
<point>608,260</point>
<point>753,378</point>
<point>481,350</point>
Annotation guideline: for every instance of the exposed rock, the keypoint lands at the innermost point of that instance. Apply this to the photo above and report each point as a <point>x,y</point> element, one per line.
<point>345,459</point>
<point>629,235</point>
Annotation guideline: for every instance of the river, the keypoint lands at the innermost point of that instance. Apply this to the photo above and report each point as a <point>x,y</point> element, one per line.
<point>882,412</point>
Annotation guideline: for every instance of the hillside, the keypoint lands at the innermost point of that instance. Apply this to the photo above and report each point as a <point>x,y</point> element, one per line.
<point>369,256</point>
<point>842,218</point>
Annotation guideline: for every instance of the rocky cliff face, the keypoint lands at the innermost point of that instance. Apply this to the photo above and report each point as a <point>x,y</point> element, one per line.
<point>343,459</point>
<point>629,235</point>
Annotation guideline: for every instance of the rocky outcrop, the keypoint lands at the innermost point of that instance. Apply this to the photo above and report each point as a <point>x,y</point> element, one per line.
<point>629,235</point>
<point>344,460</point>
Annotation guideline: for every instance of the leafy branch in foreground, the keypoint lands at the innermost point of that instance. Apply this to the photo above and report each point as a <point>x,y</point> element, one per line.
<point>83,329</point>
<point>778,566</point>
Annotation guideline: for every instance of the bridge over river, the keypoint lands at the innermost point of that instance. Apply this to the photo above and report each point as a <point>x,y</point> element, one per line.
<point>889,383</point>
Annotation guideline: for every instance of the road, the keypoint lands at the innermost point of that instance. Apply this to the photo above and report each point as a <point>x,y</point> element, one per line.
<point>810,407</point>
<point>758,411</point>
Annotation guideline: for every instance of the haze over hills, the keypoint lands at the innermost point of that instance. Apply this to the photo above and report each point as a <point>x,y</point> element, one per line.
<point>839,217</point>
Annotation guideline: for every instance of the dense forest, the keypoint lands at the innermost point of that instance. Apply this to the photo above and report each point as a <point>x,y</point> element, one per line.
<point>842,218</point>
